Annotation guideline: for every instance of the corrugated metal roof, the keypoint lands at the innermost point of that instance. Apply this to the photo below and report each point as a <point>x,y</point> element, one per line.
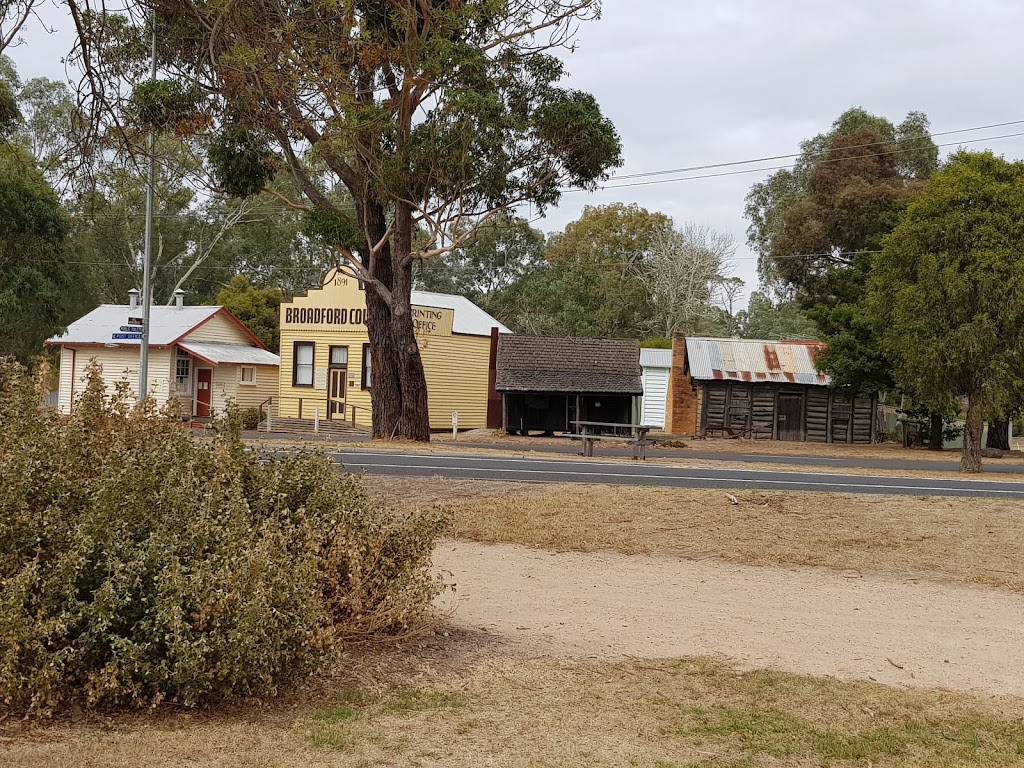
<point>166,324</point>
<point>655,358</point>
<point>237,354</point>
<point>754,361</point>
<point>469,318</point>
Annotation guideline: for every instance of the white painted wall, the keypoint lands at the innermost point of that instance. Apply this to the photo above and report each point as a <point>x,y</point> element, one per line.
<point>655,397</point>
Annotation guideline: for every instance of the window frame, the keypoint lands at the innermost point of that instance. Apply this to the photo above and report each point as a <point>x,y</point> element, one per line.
<point>330,356</point>
<point>241,375</point>
<point>183,383</point>
<point>295,363</point>
<point>366,374</point>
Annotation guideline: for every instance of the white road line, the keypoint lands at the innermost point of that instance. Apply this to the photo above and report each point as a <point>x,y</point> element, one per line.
<point>597,476</point>
<point>498,460</point>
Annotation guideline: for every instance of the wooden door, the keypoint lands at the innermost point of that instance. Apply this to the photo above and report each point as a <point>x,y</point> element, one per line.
<point>204,391</point>
<point>336,393</point>
<point>790,417</point>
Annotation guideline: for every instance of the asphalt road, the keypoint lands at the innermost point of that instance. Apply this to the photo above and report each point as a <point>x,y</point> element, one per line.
<point>475,467</point>
<point>922,461</point>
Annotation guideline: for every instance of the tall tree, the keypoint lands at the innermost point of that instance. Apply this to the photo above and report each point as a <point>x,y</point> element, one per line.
<point>684,273</point>
<point>841,196</point>
<point>946,293</point>
<point>817,228</point>
<point>257,308</point>
<point>765,319</point>
<point>433,115</point>
<point>600,257</point>
<point>39,281</point>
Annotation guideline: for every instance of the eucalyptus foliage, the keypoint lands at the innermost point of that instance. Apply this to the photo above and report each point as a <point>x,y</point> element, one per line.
<point>946,296</point>
<point>434,116</point>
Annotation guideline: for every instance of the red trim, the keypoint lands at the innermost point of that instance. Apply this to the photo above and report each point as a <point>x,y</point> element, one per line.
<point>232,318</point>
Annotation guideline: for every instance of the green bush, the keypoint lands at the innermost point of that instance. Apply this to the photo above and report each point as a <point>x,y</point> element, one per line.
<point>139,564</point>
<point>249,418</point>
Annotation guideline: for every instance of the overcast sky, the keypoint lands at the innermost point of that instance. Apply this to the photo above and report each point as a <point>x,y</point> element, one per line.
<point>693,83</point>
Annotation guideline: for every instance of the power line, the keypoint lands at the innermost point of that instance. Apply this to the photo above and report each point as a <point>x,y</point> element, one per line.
<point>786,167</point>
<point>798,154</point>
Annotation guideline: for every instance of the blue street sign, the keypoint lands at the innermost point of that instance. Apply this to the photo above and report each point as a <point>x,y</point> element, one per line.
<point>131,328</point>
<point>126,336</point>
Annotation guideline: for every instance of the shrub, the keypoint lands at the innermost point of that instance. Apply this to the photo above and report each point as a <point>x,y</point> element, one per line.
<point>250,418</point>
<point>140,565</point>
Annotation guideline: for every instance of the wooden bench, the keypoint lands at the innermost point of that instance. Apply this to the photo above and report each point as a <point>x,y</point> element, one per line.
<point>588,434</point>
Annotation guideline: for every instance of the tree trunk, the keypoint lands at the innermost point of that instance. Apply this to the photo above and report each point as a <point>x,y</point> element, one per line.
<point>398,394</point>
<point>386,391</point>
<point>970,459</point>
<point>935,438</point>
<point>999,435</point>
<point>414,419</point>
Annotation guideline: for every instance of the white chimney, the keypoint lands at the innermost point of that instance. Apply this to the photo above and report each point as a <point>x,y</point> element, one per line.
<point>179,298</point>
<point>133,299</point>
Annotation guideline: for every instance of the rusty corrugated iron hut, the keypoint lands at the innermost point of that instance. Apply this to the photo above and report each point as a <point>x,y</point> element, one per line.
<point>762,389</point>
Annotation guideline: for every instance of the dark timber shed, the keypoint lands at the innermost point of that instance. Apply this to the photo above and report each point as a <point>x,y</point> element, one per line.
<point>767,389</point>
<point>547,383</point>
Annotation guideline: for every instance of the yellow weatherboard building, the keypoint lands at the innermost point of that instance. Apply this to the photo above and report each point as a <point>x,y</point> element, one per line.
<point>325,356</point>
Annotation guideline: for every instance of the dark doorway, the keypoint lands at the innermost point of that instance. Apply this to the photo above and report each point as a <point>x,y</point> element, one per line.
<point>790,418</point>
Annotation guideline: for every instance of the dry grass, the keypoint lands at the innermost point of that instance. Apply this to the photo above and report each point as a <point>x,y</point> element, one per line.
<point>544,713</point>
<point>965,540</point>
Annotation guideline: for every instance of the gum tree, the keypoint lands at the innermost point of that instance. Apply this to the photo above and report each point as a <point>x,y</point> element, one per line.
<point>946,296</point>
<point>405,125</point>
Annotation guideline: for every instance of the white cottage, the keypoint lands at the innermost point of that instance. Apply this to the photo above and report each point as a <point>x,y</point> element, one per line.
<point>655,365</point>
<point>202,356</point>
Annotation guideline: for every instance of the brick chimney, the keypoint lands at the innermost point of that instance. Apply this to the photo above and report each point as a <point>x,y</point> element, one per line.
<point>683,416</point>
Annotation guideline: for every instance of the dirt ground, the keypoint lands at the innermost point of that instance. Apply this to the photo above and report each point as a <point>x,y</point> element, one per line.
<point>812,621</point>
<point>881,588</point>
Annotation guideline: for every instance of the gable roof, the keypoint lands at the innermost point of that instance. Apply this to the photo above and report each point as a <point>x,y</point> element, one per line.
<point>754,361</point>
<point>167,325</point>
<point>469,318</point>
<point>543,364</point>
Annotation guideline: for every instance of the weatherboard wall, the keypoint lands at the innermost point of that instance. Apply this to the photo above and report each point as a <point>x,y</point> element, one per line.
<point>455,364</point>
<point>219,328</point>
<point>652,403</point>
<point>120,366</point>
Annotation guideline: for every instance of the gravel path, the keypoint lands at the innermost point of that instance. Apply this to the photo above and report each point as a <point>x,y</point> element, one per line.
<point>813,621</point>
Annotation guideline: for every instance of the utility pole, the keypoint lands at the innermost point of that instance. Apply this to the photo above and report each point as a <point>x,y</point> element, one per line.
<point>147,257</point>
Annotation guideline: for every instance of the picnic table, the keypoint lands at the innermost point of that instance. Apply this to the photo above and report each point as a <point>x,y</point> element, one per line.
<point>591,431</point>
